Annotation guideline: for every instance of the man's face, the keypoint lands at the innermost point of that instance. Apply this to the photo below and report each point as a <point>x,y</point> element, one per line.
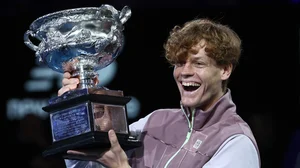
<point>199,79</point>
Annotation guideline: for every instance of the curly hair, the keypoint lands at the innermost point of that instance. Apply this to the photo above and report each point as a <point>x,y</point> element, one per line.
<point>222,44</point>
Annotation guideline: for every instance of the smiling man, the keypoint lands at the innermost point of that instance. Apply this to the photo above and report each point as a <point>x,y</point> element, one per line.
<point>199,78</point>
<point>206,130</point>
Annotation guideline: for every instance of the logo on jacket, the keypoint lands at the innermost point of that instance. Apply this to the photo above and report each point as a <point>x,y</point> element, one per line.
<point>197,144</point>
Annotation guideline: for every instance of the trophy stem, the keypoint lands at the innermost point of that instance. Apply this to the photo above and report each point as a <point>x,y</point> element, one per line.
<point>87,76</point>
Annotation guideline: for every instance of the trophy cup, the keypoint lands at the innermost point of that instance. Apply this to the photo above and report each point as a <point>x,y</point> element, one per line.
<point>82,41</point>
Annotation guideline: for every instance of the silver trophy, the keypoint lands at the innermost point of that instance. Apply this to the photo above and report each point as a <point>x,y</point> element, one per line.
<point>82,41</point>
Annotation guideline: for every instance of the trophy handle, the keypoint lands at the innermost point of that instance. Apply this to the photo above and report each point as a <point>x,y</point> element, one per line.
<point>125,14</point>
<point>27,41</point>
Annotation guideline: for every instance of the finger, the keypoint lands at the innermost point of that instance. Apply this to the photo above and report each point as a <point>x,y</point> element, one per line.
<point>75,152</point>
<point>67,75</point>
<point>96,80</point>
<point>66,88</point>
<point>76,155</point>
<point>113,140</point>
<point>88,152</point>
<point>70,81</point>
<point>63,90</point>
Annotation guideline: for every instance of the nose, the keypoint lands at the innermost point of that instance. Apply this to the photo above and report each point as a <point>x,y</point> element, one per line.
<point>187,69</point>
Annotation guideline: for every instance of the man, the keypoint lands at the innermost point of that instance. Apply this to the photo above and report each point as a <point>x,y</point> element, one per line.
<point>206,131</point>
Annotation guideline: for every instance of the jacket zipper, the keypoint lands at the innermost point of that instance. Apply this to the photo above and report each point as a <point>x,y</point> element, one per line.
<point>188,136</point>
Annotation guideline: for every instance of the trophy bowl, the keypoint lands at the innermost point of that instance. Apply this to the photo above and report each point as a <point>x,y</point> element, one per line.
<point>93,34</point>
<point>82,41</point>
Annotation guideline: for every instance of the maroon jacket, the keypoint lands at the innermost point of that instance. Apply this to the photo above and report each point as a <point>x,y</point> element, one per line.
<point>170,138</point>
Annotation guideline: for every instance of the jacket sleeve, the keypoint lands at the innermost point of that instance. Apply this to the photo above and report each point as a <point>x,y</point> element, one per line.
<point>137,127</point>
<point>236,152</point>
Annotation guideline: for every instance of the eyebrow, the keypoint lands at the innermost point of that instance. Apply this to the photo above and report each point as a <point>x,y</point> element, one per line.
<point>198,59</point>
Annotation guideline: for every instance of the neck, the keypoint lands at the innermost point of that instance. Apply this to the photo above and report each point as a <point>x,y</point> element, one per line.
<point>205,107</point>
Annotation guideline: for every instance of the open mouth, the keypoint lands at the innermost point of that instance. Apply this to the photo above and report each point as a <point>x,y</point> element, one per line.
<point>190,86</point>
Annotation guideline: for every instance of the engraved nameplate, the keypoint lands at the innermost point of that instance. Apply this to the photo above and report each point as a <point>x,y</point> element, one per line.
<point>70,122</point>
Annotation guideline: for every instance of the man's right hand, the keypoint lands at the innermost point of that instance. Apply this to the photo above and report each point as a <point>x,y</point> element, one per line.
<point>68,83</point>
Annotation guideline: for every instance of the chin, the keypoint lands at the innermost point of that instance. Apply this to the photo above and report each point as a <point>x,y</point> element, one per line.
<point>189,104</point>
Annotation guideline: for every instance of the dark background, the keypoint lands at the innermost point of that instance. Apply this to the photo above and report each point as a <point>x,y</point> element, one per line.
<point>264,85</point>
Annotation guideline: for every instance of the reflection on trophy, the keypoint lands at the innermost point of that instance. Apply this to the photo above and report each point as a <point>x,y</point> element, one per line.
<point>82,41</point>
<point>103,119</point>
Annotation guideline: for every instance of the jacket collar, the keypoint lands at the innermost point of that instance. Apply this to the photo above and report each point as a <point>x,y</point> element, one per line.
<point>222,108</point>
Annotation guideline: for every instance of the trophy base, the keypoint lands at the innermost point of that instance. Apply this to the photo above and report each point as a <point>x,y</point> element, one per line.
<point>91,140</point>
<point>75,123</point>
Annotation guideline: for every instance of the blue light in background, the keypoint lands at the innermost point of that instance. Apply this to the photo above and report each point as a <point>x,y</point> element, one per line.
<point>107,74</point>
<point>133,108</point>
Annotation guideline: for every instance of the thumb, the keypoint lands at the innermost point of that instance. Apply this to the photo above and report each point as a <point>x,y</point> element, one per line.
<point>113,139</point>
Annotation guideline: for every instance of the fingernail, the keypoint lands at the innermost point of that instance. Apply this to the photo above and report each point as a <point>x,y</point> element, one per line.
<point>111,132</point>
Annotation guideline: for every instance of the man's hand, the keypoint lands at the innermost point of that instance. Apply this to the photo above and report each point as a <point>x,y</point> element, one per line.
<point>68,83</point>
<point>115,157</point>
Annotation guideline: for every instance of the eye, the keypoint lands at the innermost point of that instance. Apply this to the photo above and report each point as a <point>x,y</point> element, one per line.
<point>199,64</point>
<point>179,64</point>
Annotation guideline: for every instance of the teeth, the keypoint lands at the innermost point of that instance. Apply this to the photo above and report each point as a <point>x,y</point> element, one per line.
<point>190,84</point>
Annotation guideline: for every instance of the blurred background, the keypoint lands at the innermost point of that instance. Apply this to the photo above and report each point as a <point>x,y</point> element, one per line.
<point>264,86</point>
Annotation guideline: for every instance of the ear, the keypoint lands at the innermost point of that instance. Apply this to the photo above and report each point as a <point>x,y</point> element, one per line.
<point>226,71</point>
